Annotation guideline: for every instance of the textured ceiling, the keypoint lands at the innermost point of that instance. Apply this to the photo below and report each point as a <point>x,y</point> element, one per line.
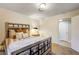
<point>32,8</point>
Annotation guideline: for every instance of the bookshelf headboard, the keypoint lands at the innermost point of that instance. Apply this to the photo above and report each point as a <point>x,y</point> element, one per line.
<point>15,26</point>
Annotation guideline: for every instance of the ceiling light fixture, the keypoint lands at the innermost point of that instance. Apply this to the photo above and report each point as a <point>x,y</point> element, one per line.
<point>42,6</point>
<point>60,20</point>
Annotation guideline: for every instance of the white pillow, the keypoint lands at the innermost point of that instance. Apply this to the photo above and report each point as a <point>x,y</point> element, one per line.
<point>19,35</point>
<point>25,35</point>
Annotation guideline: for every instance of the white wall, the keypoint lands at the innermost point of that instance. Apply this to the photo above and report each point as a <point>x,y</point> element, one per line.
<point>51,23</point>
<point>13,17</point>
<point>75,33</point>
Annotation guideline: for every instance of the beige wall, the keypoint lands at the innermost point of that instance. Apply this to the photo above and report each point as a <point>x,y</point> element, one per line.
<point>51,23</point>
<point>75,33</point>
<point>13,17</point>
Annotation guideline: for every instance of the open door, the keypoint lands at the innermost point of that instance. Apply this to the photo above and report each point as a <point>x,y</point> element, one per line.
<point>65,30</point>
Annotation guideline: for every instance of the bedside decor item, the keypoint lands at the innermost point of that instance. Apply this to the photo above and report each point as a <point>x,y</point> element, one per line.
<point>35,32</point>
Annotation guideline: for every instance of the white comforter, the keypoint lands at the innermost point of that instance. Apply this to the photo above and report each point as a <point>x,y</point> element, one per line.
<point>23,42</point>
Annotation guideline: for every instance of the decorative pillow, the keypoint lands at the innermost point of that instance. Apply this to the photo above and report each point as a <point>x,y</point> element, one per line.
<point>25,35</point>
<point>24,30</point>
<point>19,35</point>
<point>11,33</point>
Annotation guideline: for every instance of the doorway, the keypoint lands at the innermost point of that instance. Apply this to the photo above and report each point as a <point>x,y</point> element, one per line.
<point>65,31</point>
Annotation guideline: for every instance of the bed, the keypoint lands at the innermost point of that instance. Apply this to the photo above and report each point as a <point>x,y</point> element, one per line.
<point>25,45</point>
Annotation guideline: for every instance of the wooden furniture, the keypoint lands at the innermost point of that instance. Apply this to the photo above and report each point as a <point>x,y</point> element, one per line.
<point>42,47</point>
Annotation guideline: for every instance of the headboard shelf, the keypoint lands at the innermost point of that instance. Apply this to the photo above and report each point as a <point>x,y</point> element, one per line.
<point>15,26</point>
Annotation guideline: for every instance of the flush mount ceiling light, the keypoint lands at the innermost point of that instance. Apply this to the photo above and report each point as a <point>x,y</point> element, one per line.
<point>42,6</point>
<point>60,20</point>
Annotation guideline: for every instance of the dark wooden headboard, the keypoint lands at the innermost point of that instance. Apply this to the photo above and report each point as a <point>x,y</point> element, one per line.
<point>16,26</point>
